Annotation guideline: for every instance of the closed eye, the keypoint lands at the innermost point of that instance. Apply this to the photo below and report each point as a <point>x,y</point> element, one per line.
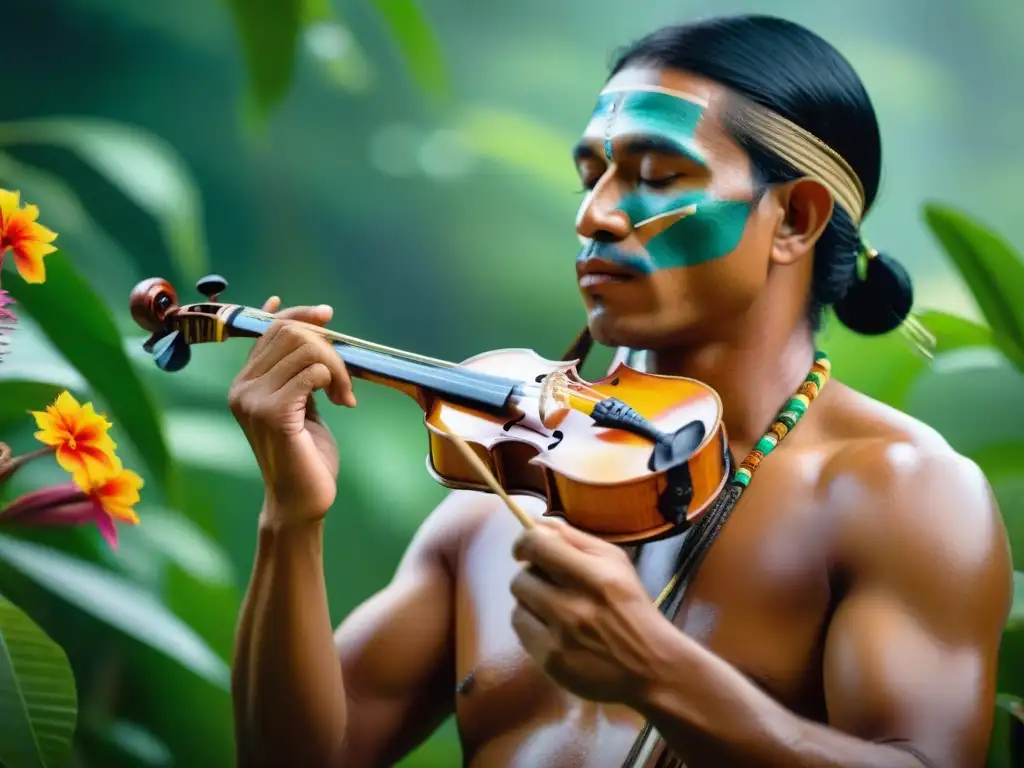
<point>663,182</point>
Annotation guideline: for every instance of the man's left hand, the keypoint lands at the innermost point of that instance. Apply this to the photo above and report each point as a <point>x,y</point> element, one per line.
<point>583,614</point>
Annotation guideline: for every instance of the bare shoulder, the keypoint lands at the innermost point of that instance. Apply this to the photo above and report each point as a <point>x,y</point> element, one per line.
<point>450,525</point>
<point>906,504</point>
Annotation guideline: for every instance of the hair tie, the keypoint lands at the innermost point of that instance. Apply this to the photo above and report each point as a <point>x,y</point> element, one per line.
<point>880,300</point>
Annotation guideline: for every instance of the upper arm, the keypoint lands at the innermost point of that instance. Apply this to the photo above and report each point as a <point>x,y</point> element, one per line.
<point>397,648</point>
<point>911,652</point>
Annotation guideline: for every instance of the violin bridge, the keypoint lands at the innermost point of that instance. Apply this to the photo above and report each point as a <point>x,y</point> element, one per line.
<point>554,400</point>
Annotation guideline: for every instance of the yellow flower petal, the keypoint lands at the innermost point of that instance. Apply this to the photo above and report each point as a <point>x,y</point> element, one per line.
<point>9,202</point>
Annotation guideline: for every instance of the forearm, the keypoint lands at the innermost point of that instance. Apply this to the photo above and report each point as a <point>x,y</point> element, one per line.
<point>709,713</point>
<point>287,689</point>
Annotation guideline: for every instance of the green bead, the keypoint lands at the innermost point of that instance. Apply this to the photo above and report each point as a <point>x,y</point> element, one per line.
<point>742,477</point>
<point>817,379</point>
<point>789,419</point>
<point>796,406</point>
<point>819,355</point>
<point>765,445</point>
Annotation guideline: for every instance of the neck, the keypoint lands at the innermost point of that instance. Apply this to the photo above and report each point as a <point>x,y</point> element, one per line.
<point>755,370</point>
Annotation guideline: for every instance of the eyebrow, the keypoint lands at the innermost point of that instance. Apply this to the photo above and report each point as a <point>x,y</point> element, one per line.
<point>642,145</point>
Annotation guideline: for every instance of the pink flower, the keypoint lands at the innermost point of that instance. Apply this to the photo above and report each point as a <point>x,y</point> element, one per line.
<point>109,497</point>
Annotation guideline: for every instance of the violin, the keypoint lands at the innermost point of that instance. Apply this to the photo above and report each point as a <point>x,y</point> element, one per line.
<point>631,458</point>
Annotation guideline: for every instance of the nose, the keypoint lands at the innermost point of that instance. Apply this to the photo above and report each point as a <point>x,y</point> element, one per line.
<point>599,217</point>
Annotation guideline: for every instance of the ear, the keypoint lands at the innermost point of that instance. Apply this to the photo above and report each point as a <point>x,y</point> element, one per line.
<point>807,209</point>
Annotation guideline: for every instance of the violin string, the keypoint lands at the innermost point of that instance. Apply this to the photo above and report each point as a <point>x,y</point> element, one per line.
<point>446,372</point>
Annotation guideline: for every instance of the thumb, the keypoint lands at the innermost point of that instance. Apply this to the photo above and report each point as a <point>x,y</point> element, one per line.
<point>321,314</point>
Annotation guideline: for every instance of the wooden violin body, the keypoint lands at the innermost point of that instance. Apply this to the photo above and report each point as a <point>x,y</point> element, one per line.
<point>630,458</point>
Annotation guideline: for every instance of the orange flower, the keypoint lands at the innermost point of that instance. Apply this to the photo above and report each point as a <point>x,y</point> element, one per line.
<point>78,434</point>
<point>114,494</point>
<point>24,236</point>
<point>103,498</point>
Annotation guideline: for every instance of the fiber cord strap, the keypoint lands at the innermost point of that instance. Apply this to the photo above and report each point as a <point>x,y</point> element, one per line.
<point>804,151</point>
<point>699,540</point>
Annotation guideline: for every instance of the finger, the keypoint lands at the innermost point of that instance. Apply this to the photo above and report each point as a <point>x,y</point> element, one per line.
<point>538,595</point>
<point>313,350</point>
<point>272,304</point>
<point>535,637</point>
<point>316,315</point>
<point>565,564</point>
<point>585,541</point>
<point>277,342</point>
<point>305,382</point>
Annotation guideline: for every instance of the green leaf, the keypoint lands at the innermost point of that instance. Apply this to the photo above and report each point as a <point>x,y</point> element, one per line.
<point>32,374</point>
<point>143,167</point>
<point>212,441</point>
<point>1011,650</point>
<point>38,697</point>
<point>953,332</point>
<point>116,602</point>
<point>127,745</point>
<point>68,311</point>
<point>178,540</point>
<point>269,31</point>
<point>993,271</point>
<point>521,143</point>
<point>895,366</point>
<point>1006,748</point>
<point>418,44</point>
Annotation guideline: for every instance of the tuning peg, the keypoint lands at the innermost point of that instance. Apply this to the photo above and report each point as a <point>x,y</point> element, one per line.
<point>171,353</point>
<point>211,286</point>
<point>151,342</point>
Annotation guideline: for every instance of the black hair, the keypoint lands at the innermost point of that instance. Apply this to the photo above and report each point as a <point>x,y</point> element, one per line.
<point>792,71</point>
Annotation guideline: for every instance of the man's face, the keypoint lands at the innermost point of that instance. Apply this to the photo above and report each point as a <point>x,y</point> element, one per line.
<point>672,243</point>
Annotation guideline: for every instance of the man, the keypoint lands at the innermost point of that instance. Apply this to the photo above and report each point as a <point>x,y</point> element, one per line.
<point>849,613</point>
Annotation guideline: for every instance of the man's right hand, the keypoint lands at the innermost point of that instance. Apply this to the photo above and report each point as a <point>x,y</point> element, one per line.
<point>271,398</point>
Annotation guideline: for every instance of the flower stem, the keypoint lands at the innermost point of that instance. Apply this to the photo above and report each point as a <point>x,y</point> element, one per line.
<point>8,465</point>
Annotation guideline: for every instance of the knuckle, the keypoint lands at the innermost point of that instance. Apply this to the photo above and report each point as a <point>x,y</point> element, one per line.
<point>578,618</point>
<point>238,401</point>
<point>609,584</point>
<point>313,375</point>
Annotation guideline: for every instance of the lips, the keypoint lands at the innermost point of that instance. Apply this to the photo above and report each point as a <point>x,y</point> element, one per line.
<point>595,271</point>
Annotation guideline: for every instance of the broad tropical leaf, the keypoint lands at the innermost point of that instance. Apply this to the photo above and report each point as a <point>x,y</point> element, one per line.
<point>143,167</point>
<point>269,31</point>
<point>521,143</point>
<point>993,271</point>
<point>418,44</point>
<point>953,332</point>
<point>125,745</point>
<point>38,697</point>
<point>31,376</point>
<point>893,369</point>
<point>116,602</point>
<point>68,311</point>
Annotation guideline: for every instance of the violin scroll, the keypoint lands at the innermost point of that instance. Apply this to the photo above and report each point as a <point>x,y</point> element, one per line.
<point>154,307</point>
<point>150,302</point>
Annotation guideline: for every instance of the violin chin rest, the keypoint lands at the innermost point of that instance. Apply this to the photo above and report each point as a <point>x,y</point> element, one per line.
<point>675,448</point>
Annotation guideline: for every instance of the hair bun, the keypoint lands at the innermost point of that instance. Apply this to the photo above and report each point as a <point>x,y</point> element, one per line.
<point>881,301</point>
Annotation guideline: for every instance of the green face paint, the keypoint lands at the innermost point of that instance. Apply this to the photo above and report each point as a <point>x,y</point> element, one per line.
<point>705,227</point>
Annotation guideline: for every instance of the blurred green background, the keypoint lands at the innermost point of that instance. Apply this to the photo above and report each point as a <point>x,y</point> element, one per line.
<point>409,164</point>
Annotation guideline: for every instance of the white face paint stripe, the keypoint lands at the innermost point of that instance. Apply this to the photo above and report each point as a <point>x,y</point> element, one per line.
<point>680,213</point>
<point>691,97</point>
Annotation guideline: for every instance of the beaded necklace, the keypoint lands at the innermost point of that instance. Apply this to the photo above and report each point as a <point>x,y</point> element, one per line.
<point>783,424</point>
<point>707,528</point>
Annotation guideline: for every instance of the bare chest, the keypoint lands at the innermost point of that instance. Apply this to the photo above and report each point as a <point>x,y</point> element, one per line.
<point>760,601</point>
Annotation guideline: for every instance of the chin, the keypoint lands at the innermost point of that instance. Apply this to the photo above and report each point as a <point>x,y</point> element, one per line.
<point>633,330</point>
